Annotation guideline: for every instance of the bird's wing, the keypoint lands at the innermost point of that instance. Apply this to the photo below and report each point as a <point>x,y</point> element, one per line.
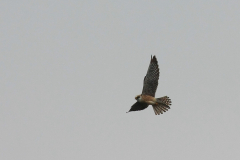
<point>150,82</point>
<point>138,106</point>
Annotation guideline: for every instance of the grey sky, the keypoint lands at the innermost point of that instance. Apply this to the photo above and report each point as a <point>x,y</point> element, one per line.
<point>70,71</point>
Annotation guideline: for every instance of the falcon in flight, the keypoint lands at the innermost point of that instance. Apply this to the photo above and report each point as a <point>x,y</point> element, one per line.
<point>147,97</point>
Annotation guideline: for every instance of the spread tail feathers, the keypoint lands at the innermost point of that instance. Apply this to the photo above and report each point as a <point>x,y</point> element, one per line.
<point>162,105</point>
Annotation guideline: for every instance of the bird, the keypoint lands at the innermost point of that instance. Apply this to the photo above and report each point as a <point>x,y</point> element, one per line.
<point>150,83</point>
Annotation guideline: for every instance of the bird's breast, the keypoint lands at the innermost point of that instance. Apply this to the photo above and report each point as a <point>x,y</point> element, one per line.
<point>147,99</point>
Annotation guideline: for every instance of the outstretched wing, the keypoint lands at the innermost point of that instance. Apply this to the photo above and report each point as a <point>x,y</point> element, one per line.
<point>138,106</point>
<point>150,82</point>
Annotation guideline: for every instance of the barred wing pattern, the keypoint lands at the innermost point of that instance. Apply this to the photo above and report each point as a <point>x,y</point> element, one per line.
<point>138,106</point>
<point>150,82</point>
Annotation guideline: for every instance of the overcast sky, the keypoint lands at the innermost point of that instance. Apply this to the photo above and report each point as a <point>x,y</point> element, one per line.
<point>70,71</point>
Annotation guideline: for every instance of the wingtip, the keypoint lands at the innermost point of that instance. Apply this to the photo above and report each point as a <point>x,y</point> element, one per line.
<point>153,59</point>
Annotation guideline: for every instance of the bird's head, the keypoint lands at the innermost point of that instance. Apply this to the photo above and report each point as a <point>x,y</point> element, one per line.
<point>137,97</point>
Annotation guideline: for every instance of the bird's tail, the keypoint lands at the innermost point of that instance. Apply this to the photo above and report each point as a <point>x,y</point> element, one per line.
<point>162,105</point>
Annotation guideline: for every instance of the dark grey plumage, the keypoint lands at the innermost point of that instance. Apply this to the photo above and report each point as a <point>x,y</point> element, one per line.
<point>150,82</point>
<point>138,106</point>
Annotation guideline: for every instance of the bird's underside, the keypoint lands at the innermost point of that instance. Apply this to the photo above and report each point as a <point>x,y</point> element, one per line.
<point>150,84</point>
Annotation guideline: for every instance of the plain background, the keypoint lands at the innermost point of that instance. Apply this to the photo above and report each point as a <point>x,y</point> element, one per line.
<point>70,71</point>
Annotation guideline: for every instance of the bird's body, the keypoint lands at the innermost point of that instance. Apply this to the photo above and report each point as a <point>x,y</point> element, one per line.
<point>147,97</point>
